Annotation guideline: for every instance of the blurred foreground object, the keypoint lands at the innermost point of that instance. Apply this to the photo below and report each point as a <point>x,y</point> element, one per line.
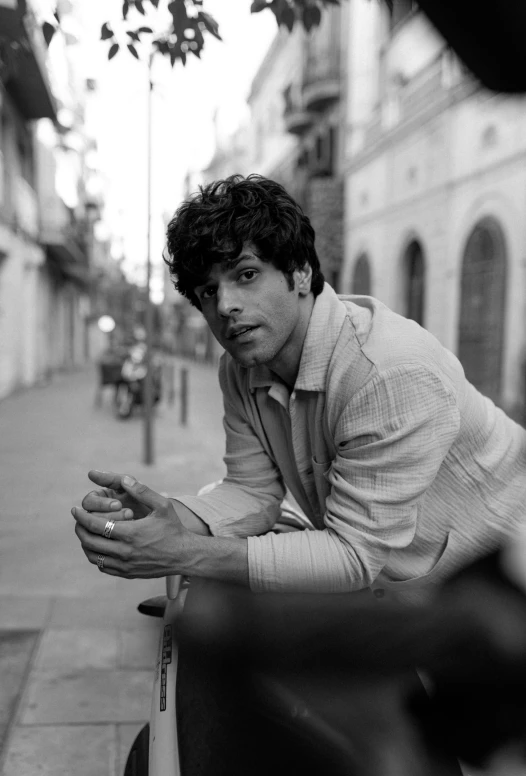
<point>330,679</point>
<point>489,37</point>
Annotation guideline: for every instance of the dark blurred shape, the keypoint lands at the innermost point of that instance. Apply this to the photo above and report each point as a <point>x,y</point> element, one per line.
<point>327,683</point>
<point>488,37</point>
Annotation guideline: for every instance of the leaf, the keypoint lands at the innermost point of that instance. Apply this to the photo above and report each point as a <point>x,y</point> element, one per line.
<point>287,17</point>
<point>210,23</point>
<point>133,50</point>
<point>311,17</point>
<point>258,5</point>
<point>139,6</point>
<point>161,46</point>
<point>155,3</point>
<point>113,50</point>
<point>133,35</point>
<point>48,30</point>
<point>125,9</point>
<point>145,29</point>
<point>106,31</point>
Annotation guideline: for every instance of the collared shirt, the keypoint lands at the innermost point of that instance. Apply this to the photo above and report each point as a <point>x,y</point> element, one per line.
<point>405,471</point>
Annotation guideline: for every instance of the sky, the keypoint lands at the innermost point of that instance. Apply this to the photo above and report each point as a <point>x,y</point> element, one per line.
<point>185,101</point>
<point>189,105</point>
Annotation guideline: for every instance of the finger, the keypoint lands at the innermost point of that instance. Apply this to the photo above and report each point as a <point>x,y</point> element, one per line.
<point>100,546</point>
<point>144,494</point>
<point>101,501</point>
<point>111,566</point>
<point>106,479</point>
<point>96,523</point>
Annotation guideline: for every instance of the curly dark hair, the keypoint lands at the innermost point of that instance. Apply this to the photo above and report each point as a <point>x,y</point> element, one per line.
<point>213,225</point>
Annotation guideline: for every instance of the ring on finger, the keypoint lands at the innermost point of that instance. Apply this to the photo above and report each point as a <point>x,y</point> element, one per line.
<point>100,561</point>
<point>108,528</point>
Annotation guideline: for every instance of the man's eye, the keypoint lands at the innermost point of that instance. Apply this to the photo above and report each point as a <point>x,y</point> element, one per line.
<point>248,274</point>
<point>207,293</point>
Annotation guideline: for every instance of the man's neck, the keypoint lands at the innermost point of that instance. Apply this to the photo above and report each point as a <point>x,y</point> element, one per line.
<point>287,365</point>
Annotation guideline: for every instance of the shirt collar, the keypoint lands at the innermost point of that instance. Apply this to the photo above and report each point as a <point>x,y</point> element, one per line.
<point>326,321</point>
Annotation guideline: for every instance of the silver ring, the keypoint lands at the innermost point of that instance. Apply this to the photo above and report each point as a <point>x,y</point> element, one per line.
<point>100,561</point>
<point>108,528</point>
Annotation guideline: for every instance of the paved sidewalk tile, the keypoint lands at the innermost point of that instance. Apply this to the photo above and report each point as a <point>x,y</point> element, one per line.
<point>138,649</point>
<point>24,612</point>
<point>77,649</point>
<point>105,613</point>
<point>16,649</point>
<point>73,750</point>
<point>87,696</point>
<point>126,735</point>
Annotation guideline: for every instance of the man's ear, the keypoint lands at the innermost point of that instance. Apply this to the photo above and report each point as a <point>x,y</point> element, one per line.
<point>303,279</point>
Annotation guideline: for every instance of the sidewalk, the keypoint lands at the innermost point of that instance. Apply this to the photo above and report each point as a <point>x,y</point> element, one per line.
<point>76,657</point>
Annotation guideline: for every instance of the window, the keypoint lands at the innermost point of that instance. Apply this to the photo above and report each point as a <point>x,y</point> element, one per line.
<point>361,279</point>
<point>414,282</point>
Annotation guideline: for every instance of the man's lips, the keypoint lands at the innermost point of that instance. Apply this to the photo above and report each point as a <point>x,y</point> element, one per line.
<point>235,331</point>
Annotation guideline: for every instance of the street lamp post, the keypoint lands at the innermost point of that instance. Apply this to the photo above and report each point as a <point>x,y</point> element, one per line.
<point>148,453</point>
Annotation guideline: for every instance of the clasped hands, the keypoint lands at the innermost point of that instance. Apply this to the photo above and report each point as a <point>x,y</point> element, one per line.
<point>148,540</point>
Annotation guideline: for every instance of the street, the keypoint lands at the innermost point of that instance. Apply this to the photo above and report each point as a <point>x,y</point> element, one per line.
<point>76,657</point>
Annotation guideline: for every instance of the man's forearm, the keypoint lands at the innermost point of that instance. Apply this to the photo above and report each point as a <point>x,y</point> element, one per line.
<point>214,557</point>
<point>217,557</point>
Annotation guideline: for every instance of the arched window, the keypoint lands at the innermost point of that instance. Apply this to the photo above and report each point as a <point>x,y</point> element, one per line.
<point>482,307</point>
<point>414,268</point>
<point>361,277</point>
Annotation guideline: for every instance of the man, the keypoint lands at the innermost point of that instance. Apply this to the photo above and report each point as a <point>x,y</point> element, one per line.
<point>404,470</point>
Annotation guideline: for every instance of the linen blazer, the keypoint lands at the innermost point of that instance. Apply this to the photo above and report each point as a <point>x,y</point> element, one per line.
<point>405,471</point>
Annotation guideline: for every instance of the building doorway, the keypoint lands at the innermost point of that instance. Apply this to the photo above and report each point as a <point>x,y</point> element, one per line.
<point>482,308</point>
<point>415,276</point>
<point>361,277</point>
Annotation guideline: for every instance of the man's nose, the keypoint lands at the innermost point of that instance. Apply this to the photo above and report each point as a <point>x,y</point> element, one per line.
<point>228,300</point>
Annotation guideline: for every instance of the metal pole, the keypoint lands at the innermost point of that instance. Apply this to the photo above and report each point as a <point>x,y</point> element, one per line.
<point>148,383</point>
<point>184,396</point>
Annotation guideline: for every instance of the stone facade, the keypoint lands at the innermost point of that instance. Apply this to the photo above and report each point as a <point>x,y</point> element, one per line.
<point>431,159</point>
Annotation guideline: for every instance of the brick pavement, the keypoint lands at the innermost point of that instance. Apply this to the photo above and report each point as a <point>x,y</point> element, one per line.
<point>75,655</point>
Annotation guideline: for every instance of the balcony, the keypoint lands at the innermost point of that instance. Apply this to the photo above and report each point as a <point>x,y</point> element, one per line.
<point>297,121</point>
<point>296,118</point>
<point>27,81</point>
<point>59,235</point>
<point>322,82</point>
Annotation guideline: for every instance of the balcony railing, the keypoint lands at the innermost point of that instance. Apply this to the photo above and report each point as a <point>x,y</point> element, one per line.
<point>428,88</point>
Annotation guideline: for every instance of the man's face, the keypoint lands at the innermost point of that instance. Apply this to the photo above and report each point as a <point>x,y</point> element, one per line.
<point>254,314</point>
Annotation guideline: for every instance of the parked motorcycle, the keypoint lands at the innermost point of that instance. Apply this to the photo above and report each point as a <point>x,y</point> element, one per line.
<point>131,385</point>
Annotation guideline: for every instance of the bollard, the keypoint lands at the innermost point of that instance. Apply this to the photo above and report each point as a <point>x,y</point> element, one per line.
<point>170,381</point>
<point>184,396</point>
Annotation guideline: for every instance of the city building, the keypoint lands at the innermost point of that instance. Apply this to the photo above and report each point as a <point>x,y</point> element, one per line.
<point>435,189</point>
<point>297,105</point>
<point>48,236</point>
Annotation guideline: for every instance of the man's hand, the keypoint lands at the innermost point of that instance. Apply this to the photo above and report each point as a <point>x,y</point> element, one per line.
<point>156,546</point>
<point>112,497</point>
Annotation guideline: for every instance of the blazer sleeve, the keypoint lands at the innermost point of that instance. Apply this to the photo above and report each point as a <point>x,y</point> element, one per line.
<point>247,501</point>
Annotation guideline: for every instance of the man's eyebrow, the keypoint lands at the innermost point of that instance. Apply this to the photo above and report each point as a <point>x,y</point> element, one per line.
<point>231,263</point>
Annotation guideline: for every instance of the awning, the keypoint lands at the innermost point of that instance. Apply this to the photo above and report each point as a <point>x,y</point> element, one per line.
<point>68,261</point>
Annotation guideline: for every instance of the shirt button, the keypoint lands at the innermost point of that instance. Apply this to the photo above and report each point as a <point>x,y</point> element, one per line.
<point>379,592</point>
